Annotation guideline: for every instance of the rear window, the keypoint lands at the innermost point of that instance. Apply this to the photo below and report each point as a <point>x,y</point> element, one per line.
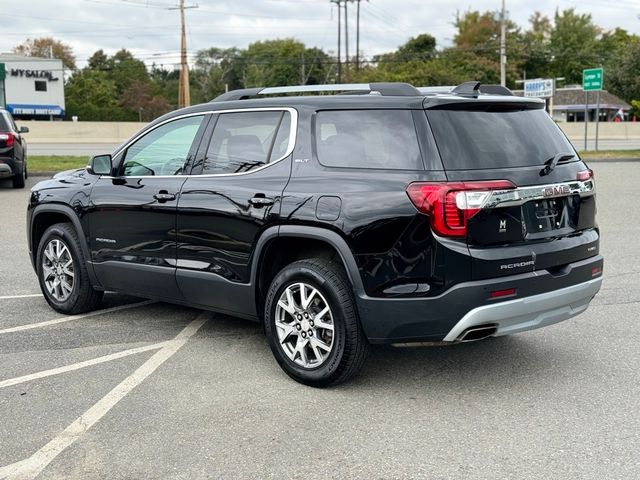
<point>469,140</point>
<point>367,139</point>
<point>4,125</point>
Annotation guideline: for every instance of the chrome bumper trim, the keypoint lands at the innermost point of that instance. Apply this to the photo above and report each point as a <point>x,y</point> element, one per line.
<point>529,313</point>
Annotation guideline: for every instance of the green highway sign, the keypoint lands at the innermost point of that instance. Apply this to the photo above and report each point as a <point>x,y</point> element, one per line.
<point>3,72</point>
<point>592,79</point>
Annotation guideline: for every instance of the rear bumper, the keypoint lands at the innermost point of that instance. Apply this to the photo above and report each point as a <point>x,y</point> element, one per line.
<point>6,167</point>
<point>543,298</point>
<point>530,312</point>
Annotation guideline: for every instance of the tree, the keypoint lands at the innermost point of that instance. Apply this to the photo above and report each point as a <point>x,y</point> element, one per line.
<point>124,69</point>
<point>421,47</point>
<point>281,62</point>
<point>47,47</point>
<point>91,95</point>
<point>536,55</point>
<point>476,50</point>
<point>622,77</point>
<point>140,101</point>
<point>573,45</point>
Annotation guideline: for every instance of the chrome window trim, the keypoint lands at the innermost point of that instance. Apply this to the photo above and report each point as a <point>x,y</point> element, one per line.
<point>521,195</point>
<point>293,131</point>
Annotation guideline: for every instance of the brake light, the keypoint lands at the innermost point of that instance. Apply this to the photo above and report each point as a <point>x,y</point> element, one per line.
<point>585,175</point>
<point>7,140</point>
<point>450,205</point>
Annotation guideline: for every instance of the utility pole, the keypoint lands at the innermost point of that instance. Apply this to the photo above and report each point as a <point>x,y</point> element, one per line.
<point>184,96</point>
<point>358,36</point>
<point>338,3</point>
<point>503,46</point>
<point>346,38</point>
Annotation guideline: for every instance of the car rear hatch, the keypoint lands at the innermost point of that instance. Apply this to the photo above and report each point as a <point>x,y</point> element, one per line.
<point>517,192</point>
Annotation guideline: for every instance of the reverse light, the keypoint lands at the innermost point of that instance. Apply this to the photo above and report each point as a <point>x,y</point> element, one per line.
<point>450,205</point>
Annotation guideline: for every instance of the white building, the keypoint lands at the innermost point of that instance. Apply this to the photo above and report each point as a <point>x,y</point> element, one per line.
<point>31,87</point>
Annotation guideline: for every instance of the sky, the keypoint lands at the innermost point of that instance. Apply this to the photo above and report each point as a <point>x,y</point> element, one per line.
<point>150,28</point>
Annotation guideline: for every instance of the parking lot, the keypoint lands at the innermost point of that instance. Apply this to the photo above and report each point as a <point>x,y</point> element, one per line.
<point>143,389</point>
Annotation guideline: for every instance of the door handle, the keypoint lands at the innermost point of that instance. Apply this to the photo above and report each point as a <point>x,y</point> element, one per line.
<point>164,196</point>
<point>259,200</point>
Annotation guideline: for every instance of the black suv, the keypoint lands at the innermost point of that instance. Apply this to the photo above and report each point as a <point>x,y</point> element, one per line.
<point>13,150</point>
<point>387,214</point>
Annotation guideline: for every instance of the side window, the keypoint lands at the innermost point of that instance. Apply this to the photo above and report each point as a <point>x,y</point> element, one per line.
<point>242,141</point>
<point>162,151</point>
<point>367,139</point>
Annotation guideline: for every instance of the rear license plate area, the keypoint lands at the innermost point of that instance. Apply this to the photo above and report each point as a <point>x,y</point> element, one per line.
<point>544,216</point>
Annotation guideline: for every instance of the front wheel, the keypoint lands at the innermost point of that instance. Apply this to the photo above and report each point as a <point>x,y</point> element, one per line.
<point>62,271</point>
<point>312,323</point>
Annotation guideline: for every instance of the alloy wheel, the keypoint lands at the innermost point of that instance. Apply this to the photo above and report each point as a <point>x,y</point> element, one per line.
<point>58,270</point>
<point>305,326</point>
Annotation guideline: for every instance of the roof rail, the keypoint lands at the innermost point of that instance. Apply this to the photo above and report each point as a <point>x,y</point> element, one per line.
<point>385,89</point>
<point>474,88</point>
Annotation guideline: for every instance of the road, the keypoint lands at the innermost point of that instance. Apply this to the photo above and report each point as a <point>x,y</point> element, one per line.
<point>160,391</point>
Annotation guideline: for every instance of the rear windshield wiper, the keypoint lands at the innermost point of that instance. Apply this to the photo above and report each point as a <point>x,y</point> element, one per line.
<point>550,164</point>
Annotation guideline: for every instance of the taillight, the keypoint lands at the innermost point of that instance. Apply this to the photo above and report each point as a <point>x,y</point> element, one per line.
<point>585,175</point>
<point>7,140</point>
<point>450,205</point>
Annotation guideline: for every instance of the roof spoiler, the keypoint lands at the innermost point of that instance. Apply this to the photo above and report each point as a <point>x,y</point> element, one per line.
<point>384,89</point>
<point>474,88</point>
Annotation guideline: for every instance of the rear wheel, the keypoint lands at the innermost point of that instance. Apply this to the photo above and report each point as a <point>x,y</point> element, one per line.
<point>20,176</point>
<point>62,271</point>
<point>312,323</point>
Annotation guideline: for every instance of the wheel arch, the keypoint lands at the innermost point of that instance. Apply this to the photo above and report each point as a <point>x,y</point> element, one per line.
<point>279,246</point>
<point>46,215</point>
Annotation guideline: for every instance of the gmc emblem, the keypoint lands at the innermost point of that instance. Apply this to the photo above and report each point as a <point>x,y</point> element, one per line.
<point>556,190</point>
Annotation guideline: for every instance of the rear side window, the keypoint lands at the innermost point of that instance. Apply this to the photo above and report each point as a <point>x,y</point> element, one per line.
<point>469,140</point>
<point>367,139</point>
<point>242,141</point>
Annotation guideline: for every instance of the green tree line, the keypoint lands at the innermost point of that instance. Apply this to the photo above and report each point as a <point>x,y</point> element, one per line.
<point>121,87</point>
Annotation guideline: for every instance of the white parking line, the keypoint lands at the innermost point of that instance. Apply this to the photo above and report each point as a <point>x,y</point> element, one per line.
<point>32,466</point>
<point>79,365</point>
<point>30,295</point>
<point>29,326</point>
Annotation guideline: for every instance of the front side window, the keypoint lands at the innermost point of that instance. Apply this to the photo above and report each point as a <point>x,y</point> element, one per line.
<point>162,151</point>
<point>383,139</point>
<point>243,141</point>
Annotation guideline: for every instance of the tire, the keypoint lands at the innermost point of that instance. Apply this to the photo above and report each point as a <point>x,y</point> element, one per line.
<point>304,359</point>
<point>19,177</point>
<point>75,294</point>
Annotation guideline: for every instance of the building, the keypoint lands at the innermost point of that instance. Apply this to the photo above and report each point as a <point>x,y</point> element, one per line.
<point>568,105</point>
<point>32,88</point>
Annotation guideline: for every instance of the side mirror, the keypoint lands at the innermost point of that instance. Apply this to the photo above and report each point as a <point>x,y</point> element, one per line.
<point>100,165</point>
<point>23,130</point>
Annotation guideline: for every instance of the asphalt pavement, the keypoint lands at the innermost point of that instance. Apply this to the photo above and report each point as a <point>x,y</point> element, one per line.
<point>144,390</point>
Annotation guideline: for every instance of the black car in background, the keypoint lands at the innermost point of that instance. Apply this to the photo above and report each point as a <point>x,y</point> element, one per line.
<point>13,150</point>
<point>387,214</point>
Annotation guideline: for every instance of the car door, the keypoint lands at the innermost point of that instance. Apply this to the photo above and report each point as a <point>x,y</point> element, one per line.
<point>233,194</point>
<point>133,216</point>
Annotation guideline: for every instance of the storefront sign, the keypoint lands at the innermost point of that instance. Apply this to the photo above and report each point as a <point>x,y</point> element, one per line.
<point>20,72</point>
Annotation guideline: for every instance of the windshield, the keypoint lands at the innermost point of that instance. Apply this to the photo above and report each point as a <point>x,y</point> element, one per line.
<point>469,140</point>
